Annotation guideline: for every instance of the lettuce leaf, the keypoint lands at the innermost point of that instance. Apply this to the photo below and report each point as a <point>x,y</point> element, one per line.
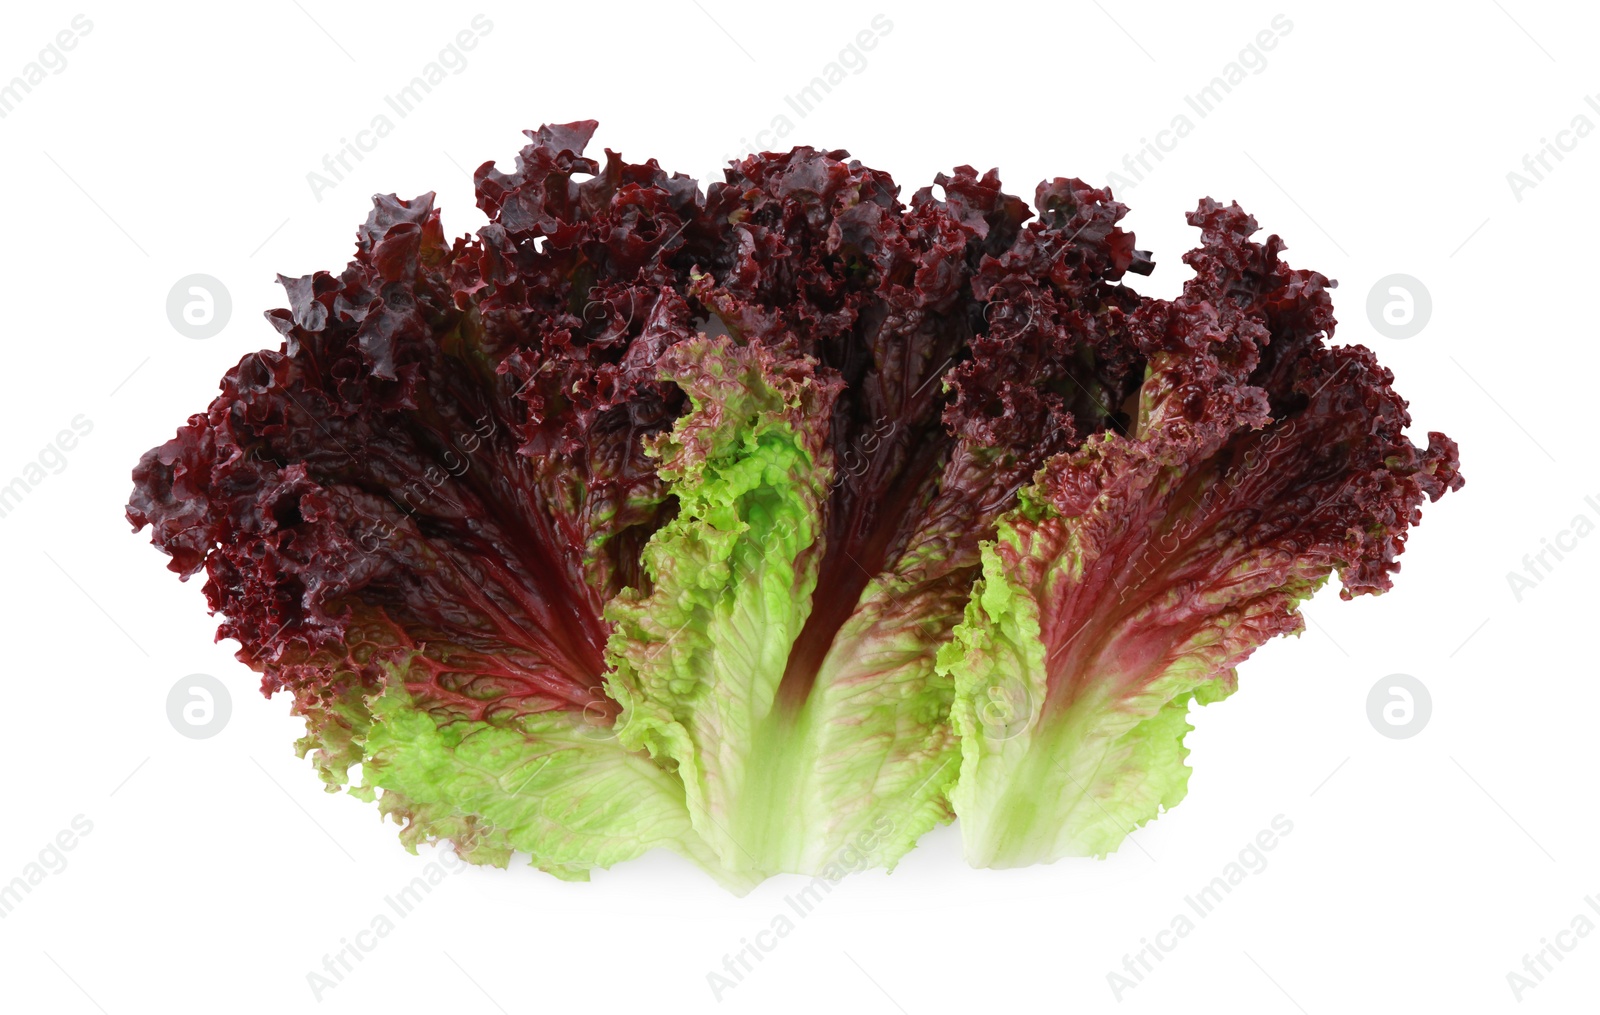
<point>777,523</point>
<point>412,514</point>
<point>786,660</point>
<point>1140,569</point>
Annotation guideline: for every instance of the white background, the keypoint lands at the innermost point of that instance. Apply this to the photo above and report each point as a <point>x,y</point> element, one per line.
<point>1376,140</point>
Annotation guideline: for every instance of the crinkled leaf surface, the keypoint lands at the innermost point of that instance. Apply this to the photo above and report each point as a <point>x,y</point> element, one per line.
<point>1141,568</point>
<point>744,521</point>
